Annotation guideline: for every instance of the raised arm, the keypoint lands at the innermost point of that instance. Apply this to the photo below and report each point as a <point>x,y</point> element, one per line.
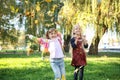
<point>73,43</point>
<point>41,41</point>
<point>85,43</point>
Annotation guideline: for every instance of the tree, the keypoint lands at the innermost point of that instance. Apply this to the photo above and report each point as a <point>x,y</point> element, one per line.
<point>107,14</point>
<point>40,15</point>
<point>7,12</point>
<point>102,14</point>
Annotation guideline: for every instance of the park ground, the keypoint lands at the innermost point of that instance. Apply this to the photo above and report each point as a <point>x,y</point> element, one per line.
<point>104,66</point>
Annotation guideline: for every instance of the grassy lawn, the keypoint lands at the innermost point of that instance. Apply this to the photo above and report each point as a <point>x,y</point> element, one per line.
<point>105,66</point>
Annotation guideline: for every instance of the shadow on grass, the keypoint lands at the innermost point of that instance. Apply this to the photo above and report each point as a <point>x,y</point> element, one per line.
<point>35,55</point>
<point>108,54</point>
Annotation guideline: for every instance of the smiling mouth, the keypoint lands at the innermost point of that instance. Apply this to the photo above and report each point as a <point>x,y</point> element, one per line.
<point>53,36</point>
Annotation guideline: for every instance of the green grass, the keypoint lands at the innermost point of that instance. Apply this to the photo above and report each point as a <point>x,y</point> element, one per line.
<point>105,66</point>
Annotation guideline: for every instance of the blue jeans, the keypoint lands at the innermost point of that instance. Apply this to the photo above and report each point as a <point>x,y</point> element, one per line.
<point>58,67</point>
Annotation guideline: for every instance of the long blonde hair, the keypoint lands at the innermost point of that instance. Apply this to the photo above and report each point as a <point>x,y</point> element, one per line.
<point>76,27</point>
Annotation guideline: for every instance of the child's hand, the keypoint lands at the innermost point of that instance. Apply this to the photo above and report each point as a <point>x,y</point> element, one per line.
<point>76,39</point>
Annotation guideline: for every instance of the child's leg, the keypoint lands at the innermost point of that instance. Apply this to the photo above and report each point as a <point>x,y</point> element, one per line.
<point>81,73</point>
<point>76,73</point>
<point>56,70</point>
<point>62,69</point>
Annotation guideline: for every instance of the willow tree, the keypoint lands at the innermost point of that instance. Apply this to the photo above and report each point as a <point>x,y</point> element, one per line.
<point>107,14</point>
<point>101,13</point>
<point>65,20</point>
<point>73,12</point>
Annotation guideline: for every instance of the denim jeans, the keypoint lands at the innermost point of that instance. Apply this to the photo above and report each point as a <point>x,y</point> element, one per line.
<point>58,68</point>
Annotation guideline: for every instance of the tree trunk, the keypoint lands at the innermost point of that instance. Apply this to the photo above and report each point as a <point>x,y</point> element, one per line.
<point>93,50</point>
<point>67,42</point>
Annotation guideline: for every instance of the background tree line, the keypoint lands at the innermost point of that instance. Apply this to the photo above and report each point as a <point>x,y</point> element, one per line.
<point>39,15</point>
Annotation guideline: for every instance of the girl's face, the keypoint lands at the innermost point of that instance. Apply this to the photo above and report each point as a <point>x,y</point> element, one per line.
<point>52,34</point>
<point>77,34</point>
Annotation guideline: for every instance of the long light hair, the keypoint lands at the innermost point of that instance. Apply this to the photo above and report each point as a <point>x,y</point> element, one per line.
<point>76,27</point>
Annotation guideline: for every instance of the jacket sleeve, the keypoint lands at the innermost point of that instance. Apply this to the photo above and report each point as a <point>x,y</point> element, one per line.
<point>40,41</point>
<point>72,41</point>
<point>43,42</point>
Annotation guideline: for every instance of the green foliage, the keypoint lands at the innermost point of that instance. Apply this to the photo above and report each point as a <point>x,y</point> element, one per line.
<point>34,46</point>
<point>8,10</point>
<point>22,67</point>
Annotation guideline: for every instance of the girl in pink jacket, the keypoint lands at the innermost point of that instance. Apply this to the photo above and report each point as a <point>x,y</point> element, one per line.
<point>54,45</point>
